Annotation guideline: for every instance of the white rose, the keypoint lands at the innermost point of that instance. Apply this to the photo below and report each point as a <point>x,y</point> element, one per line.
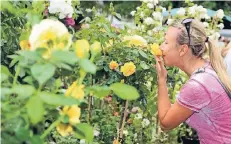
<point>87,19</point>
<point>96,133</point>
<point>145,123</point>
<point>181,12</point>
<point>163,9</point>
<point>88,10</point>
<point>221,26</point>
<point>133,13</point>
<point>61,15</point>
<point>220,14</point>
<point>142,14</point>
<point>157,16</point>
<point>206,16</point>
<point>137,8</point>
<point>170,21</point>
<point>155,2</point>
<point>206,24</point>
<point>82,141</point>
<point>192,10</point>
<point>201,9</point>
<point>150,5</point>
<point>148,21</point>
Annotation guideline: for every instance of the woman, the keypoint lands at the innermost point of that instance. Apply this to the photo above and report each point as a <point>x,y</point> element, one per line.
<point>202,101</point>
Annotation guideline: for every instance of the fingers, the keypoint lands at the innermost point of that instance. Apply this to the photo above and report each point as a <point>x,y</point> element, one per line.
<point>157,58</point>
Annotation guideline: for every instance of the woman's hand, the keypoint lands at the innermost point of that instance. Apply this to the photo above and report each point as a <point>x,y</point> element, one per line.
<point>161,70</point>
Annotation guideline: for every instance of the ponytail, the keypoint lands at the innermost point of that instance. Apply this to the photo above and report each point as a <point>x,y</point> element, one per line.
<point>218,65</point>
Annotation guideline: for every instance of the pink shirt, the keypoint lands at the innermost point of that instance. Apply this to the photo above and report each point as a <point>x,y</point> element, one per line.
<point>211,105</point>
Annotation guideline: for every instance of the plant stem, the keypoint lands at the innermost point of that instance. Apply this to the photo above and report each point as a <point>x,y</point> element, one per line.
<point>89,108</point>
<point>157,124</point>
<point>123,120</point>
<point>16,75</point>
<point>47,131</point>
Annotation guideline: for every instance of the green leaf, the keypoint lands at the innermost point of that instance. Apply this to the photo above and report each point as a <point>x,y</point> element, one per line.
<point>36,140</point>
<point>5,70</point>
<point>106,27</point>
<point>143,54</point>
<point>3,77</point>
<point>14,124</point>
<point>57,100</point>
<point>35,109</point>
<point>23,91</point>
<point>65,119</point>
<point>87,66</point>
<point>125,91</point>
<point>65,57</point>
<point>144,65</point>
<point>5,73</point>
<point>64,66</point>
<point>15,59</point>
<point>100,92</point>
<point>33,18</point>
<point>28,79</point>
<point>84,131</point>
<point>30,55</point>
<point>5,91</point>
<point>23,134</point>
<point>42,72</point>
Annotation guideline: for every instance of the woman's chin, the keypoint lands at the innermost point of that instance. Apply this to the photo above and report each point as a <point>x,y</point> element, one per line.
<point>167,63</point>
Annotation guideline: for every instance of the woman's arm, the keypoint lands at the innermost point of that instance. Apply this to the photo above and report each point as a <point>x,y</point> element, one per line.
<point>170,116</point>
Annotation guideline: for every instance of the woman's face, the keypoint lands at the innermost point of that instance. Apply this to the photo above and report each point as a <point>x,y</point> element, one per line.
<point>169,48</point>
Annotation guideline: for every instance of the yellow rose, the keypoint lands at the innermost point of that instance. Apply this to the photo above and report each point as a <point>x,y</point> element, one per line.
<point>136,41</point>
<point>116,141</point>
<point>64,129</point>
<point>50,34</point>
<point>96,47</point>
<point>76,91</point>
<point>155,50</point>
<point>25,45</point>
<point>128,69</point>
<point>113,65</point>
<point>82,48</point>
<point>73,112</point>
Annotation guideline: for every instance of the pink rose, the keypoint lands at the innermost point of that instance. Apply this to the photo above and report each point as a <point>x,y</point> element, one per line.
<point>46,12</point>
<point>69,21</point>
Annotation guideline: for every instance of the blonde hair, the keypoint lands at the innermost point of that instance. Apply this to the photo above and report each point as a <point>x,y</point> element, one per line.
<point>198,47</point>
<point>226,49</point>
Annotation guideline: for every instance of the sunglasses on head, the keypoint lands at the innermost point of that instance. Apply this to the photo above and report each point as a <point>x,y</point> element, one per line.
<point>187,23</point>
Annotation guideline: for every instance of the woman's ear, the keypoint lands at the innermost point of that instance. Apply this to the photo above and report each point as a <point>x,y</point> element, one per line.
<point>183,49</point>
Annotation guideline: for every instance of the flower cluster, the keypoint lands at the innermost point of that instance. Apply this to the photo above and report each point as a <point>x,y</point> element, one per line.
<point>127,69</point>
<point>50,34</point>
<point>61,7</point>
